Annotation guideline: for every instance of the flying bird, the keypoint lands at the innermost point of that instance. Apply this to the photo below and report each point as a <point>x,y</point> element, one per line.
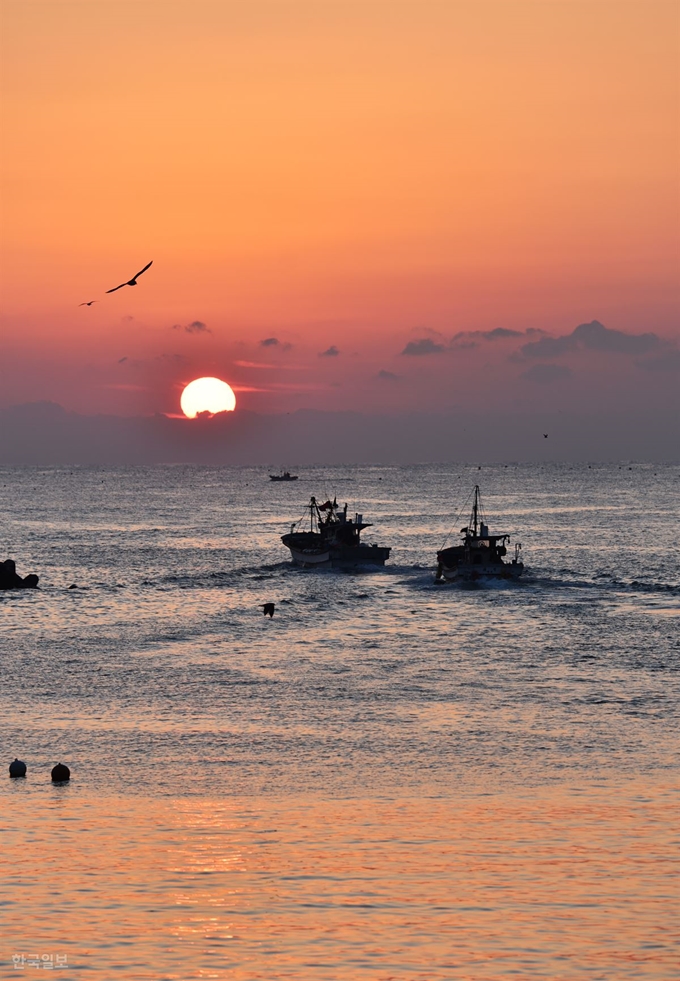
<point>87,303</point>
<point>133,281</point>
<point>268,609</point>
<point>545,435</point>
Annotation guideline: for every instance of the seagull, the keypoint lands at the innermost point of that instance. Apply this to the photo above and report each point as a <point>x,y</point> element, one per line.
<point>545,435</point>
<point>133,281</point>
<point>88,303</point>
<point>268,609</point>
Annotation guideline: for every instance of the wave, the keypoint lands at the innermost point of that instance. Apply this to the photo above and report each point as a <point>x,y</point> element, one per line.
<point>600,582</point>
<point>412,576</point>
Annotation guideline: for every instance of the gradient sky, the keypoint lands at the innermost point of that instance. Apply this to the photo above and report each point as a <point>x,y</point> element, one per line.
<point>414,204</point>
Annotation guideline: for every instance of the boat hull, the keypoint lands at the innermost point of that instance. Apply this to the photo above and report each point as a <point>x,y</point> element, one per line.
<point>307,558</point>
<point>465,572</point>
<point>335,556</point>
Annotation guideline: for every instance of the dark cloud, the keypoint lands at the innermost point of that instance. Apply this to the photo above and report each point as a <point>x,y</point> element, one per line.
<point>669,361</point>
<point>275,342</point>
<point>195,327</point>
<point>45,435</point>
<point>387,375</point>
<point>467,339</point>
<point>592,337</point>
<point>547,347</point>
<point>544,374</point>
<point>331,352</point>
<point>595,337</point>
<point>497,334</point>
<point>424,346</point>
<point>463,345</point>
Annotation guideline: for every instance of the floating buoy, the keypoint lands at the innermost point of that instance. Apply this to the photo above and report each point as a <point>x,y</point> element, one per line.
<point>17,768</point>
<point>60,773</point>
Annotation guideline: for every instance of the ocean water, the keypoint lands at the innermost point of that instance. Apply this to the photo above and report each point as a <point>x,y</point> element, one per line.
<point>390,779</point>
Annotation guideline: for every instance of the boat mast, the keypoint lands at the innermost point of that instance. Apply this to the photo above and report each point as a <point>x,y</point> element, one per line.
<point>474,510</point>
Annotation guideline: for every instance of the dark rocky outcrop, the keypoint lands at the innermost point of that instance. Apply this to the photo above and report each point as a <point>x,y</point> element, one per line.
<point>10,580</point>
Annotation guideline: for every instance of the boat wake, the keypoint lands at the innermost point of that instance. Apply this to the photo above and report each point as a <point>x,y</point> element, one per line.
<point>601,583</point>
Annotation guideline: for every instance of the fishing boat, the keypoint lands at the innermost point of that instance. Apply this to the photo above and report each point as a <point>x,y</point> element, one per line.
<point>480,555</point>
<point>283,476</point>
<point>333,539</point>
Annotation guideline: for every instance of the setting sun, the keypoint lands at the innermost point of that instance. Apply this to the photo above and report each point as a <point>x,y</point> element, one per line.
<point>207,395</point>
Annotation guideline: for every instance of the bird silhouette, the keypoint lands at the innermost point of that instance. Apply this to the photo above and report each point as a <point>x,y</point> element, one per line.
<point>88,303</point>
<point>133,281</point>
<point>545,435</point>
<point>268,609</point>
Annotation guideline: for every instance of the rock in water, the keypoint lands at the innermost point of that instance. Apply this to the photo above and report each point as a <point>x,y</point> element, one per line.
<point>60,773</point>
<point>10,580</point>
<point>17,768</point>
<point>8,575</point>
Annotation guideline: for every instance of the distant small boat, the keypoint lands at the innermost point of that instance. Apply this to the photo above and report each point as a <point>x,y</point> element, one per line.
<point>480,555</point>
<point>283,476</point>
<point>333,539</point>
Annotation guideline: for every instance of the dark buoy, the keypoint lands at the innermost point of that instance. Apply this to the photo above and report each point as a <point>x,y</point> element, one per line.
<point>60,773</point>
<point>268,609</point>
<point>17,768</point>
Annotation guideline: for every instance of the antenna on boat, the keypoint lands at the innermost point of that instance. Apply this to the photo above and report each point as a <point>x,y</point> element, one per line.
<point>456,520</point>
<point>474,510</point>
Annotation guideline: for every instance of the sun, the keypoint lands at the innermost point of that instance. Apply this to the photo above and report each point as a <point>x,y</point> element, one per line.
<point>207,395</point>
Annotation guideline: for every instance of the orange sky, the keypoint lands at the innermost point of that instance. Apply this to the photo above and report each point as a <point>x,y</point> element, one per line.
<point>348,175</point>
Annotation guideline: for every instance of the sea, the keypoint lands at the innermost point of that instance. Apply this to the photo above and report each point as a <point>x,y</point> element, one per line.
<point>390,779</point>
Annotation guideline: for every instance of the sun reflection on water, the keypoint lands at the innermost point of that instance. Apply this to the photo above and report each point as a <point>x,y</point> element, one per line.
<point>548,884</point>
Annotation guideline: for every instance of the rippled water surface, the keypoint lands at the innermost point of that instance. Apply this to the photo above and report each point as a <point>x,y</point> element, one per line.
<point>390,779</point>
